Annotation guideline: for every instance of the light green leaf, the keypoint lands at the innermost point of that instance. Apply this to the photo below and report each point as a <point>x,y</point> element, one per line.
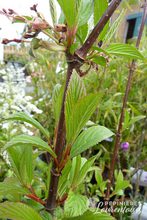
<point>85,168</point>
<point>21,116</point>
<point>11,187</point>
<point>75,204</point>
<point>69,9</point>
<point>29,140</point>
<point>137,118</point>
<point>76,90</point>
<point>125,50</point>
<point>57,100</point>
<point>100,60</point>
<point>18,211</point>
<point>114,27</point>
<point>26,165</point>
<point>82,33</point>
<point>85,9</point>
<point>53,11</point>
<point>79,116</point>
<point>91,215</point>
<point>63,180</point>
<point>89,138</point>
<point>99,9</point>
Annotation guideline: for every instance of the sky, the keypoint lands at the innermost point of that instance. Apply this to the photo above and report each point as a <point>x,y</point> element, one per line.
<point>23,8</point>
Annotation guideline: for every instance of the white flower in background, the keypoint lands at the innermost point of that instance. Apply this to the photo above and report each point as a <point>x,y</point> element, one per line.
<point>13,97</point>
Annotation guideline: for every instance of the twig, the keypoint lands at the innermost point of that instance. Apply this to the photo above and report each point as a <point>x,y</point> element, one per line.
<point>128,87</point>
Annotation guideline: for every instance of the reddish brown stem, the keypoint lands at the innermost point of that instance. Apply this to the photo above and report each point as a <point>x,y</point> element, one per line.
<point>59,147</point>
<point>36,198</point>
<point>125,99</point>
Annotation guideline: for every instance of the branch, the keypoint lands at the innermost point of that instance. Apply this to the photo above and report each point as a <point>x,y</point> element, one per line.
<point>82,52</point>
<point>128,87</point>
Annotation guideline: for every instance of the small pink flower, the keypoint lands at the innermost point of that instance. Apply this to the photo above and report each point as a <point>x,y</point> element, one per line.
<point>124,146</point>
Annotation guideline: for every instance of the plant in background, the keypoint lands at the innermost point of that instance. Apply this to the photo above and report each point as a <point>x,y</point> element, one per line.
<point>73,108</point>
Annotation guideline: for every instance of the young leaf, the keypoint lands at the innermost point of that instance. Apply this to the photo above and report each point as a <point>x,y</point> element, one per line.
<point>21,116</point>
<point>75,205</point>
<point>76,90</point>
<point>89,138</point>
<point>137,118</point>
<point>53,11</point>
<point>26,165</point>
<point>69,10</point>
<point>18,211</point>
<point>82,33</point>
<point>85,168</point>
<point>63,180</point>
<point>91,215</point>
<point>79,116</point>
<point>100,60</point>
<point>99,9</point>
<point>125,50</point>
<point>85,9</point>
<point>57,100</point>
<point>29,140</point>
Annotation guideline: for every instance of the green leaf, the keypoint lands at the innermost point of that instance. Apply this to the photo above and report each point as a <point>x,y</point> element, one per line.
<point>18,211</point>
<point>21,161</point>
<point>69,9</point>
<point>85,9</point>
<point>99,9</point>
<point>79,115</point>
<point>57,100</point>
<point>100,60</point>
<point>125,50</point>
<point>26,165</point>
<point>75,204</point>
<point>82,33</point>
<point>63,180</point>
<point>21,116</point>
<point>53,11</point>
<point>120,184</point>
<point>29,140</point>
<point>11,187</point>
<point>91,215</point>
<point>137,118</point>
<point>89,138</point>
<point>85,168</point>
<point>76,90</point>
<point>114,27</point>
